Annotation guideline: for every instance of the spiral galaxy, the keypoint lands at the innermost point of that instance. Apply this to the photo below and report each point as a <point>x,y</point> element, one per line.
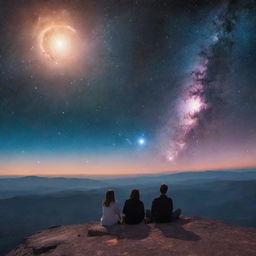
<point>57,42</point>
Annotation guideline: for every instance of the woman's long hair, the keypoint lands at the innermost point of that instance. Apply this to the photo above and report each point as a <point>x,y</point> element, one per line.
<point>110,197</point>
<point>135,194</point>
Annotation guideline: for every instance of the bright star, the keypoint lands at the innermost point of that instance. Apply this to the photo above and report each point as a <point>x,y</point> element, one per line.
<point>141,141</point>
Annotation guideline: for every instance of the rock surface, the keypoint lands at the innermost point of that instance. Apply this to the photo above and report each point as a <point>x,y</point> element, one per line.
<point>186,237</point>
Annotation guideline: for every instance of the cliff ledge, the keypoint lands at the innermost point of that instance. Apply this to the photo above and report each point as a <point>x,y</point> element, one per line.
<point>190,236</point>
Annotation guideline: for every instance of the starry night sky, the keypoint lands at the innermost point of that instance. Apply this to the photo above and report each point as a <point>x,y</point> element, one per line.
<point>120,105</point>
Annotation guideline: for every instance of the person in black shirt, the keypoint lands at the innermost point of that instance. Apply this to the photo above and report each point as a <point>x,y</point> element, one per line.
<point>134,208</point>
<point>162,207</point>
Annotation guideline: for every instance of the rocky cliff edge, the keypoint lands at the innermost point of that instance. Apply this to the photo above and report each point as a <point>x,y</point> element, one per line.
<point>189,236</point>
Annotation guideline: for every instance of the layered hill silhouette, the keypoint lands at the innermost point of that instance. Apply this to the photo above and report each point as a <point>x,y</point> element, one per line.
<point>185,237</point>
<point>30,204</point>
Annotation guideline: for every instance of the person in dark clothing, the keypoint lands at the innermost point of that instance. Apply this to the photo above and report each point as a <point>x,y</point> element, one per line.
<point>162,207</point>
<point>133,208</point>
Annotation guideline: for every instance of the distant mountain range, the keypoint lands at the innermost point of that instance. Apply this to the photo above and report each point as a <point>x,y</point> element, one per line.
<point>35,185</point>
<point>32,203</point>
<point>30,185</point>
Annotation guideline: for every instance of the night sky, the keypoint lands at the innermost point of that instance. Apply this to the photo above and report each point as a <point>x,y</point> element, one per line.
<point>117,87</point>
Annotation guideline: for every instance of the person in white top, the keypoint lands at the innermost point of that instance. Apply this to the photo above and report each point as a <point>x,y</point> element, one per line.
<point>110,210</point>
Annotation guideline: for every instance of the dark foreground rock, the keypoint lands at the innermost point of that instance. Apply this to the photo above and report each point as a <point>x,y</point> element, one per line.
<point>186,237</point>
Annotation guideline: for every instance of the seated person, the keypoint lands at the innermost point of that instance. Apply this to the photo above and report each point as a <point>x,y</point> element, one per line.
<point>162,207</point>
<point>134,208</point>
<point>110,210</point>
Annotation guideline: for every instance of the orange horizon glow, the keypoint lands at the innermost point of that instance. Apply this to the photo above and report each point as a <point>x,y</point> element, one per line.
<point>125,162</point>
<point>76,169</point>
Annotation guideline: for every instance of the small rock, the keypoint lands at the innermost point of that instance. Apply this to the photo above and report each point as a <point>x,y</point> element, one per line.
<point>38,251</point>
<point>96,229</point>
<point>54,226</point>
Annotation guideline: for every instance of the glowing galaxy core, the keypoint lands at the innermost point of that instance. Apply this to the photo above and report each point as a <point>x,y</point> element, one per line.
<point>190,106</point>
<point>57,42</point>
<point>193,105</point>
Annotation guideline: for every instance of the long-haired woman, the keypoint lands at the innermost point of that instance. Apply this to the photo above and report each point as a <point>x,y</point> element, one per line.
<point>110,210</point>
<point>134,208</point>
